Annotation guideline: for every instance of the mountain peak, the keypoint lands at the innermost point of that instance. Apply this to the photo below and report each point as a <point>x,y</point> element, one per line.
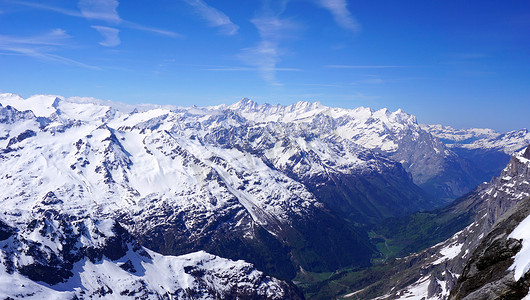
<point>244,104</point>
<point>526,153</point>
<point>305,106</point>
<point>55,103</point>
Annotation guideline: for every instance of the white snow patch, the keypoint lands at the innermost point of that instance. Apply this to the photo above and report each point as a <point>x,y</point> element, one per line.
<point>449,252</point>
<point>521,263</point>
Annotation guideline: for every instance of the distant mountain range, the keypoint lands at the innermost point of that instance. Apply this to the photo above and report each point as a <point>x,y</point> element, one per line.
<point>478,138</point>
<point>289,189</point>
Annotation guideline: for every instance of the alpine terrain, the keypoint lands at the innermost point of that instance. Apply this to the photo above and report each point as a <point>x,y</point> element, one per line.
<point>103,199</point>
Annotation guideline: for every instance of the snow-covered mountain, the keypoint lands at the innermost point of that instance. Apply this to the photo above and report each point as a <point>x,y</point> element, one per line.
<point>188,179</point>
<point>395,135</point>
<point>499,266</point>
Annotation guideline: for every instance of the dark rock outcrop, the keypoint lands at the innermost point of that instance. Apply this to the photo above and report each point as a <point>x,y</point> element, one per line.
<point>486,274</point>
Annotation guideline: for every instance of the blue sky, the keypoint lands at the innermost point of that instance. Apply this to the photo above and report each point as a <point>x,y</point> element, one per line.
<point>458,63</point>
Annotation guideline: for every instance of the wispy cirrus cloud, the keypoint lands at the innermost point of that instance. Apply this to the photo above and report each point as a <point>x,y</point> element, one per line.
<point>54,37</point>
<point>244,69</point>
<point>266,55</point>
<point>110,36</point>
<point>40,47</point>
<point>274,30</point>
<point>41,6</point>
<point>35,53</point>
<point>214,17</point>
<point>341,14</point>
<point>100,10</point>
<point>364,67</point>
<point>149,29</point>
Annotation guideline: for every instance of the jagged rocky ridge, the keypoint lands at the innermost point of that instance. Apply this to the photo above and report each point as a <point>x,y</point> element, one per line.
<point>63,257</point>
<point>433,273</point>
<point>396,135</point>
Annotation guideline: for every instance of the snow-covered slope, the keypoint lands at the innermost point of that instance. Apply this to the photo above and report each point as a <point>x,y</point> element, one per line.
<point>61,257</point>
<point>521,264</point>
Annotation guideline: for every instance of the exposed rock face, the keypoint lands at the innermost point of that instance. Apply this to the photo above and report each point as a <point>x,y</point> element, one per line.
<point>487,274</point>
<point>434,167</point>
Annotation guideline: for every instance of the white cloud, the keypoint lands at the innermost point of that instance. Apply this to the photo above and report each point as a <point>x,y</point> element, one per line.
<point>341,14</point>
<point>54,37</point>
<point>140,27</point>
<point>214,17</point>
<point>267,53</point>
<point>110,36</point>
<point>41,6</point>
<point>363,67</point>
<point>40,47</point>
<point>244,69</point>
<point>36,53</point>
<point>101,10</point>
